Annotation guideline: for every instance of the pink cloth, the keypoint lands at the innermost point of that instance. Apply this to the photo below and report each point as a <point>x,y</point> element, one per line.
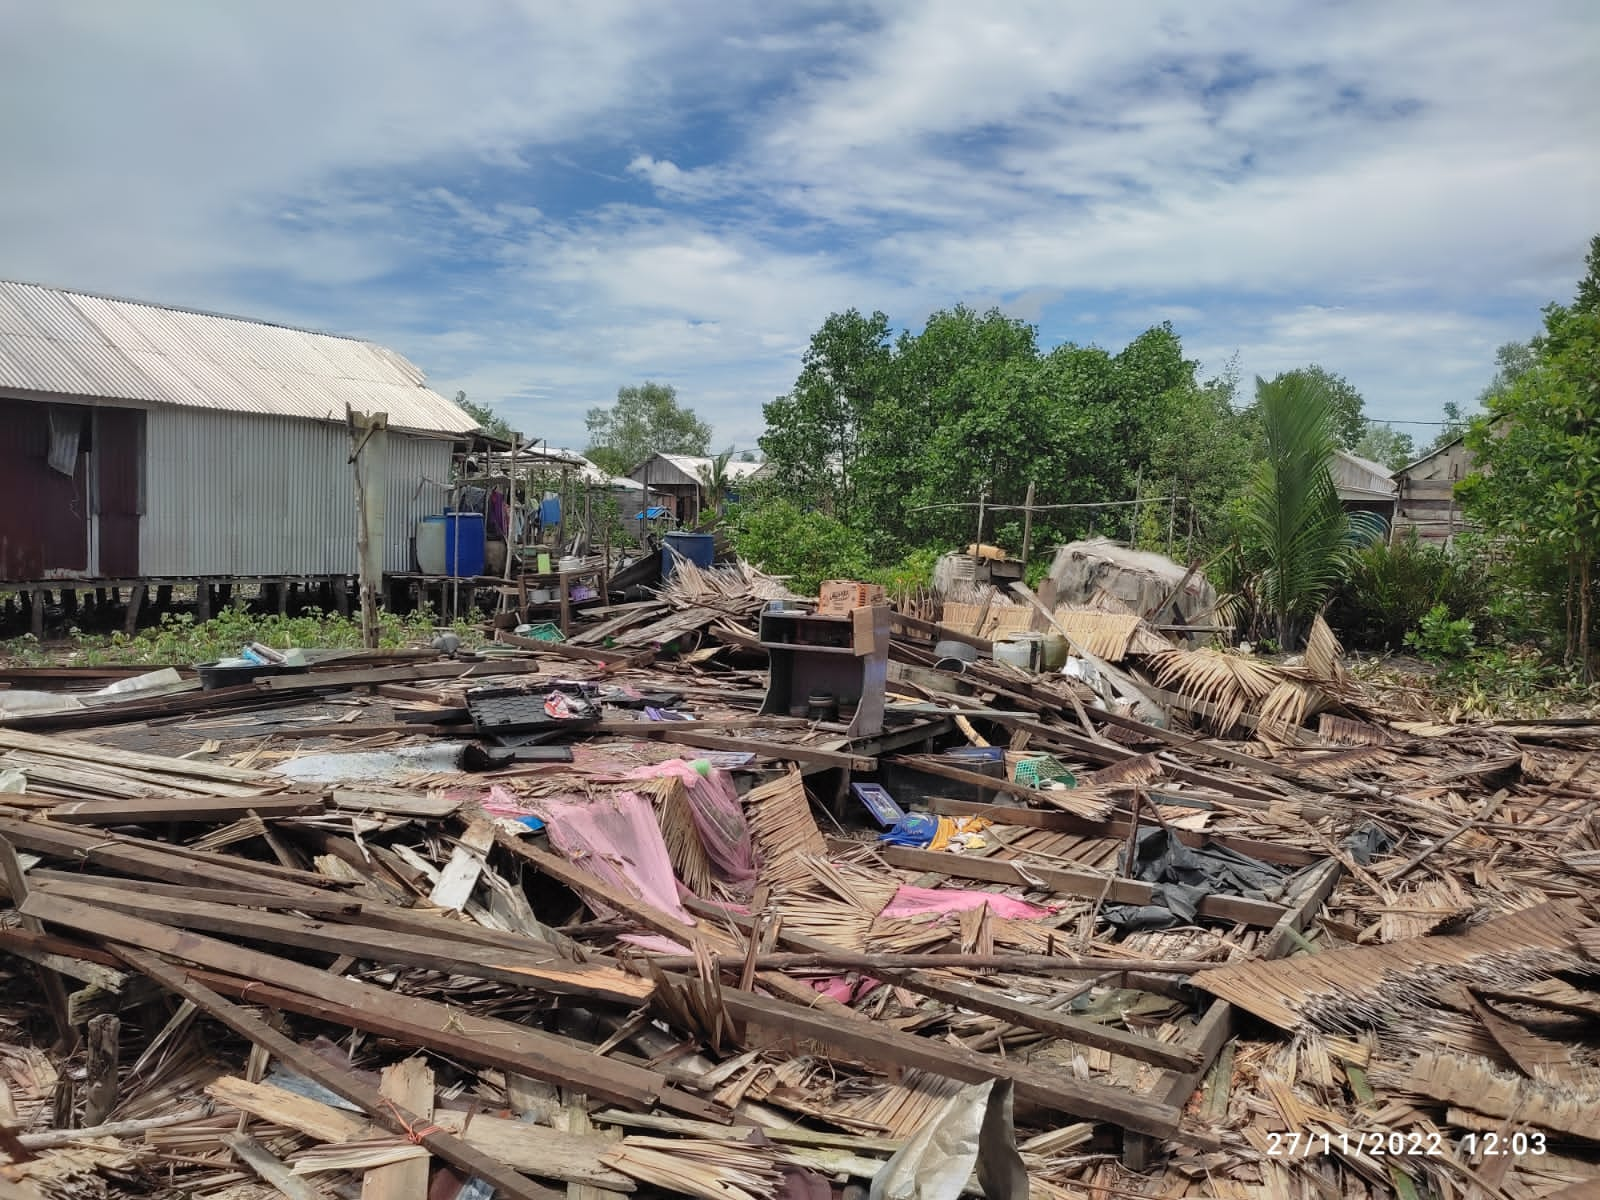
<point>718,818</point>
<point>844,988</point>
<point>616,839</point>
<point>916,901</point>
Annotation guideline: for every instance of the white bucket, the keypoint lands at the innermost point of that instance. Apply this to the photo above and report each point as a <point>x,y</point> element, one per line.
<point>1023,650</point>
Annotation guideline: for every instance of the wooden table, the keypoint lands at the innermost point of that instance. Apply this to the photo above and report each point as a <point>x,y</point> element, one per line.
<point>563,581</point>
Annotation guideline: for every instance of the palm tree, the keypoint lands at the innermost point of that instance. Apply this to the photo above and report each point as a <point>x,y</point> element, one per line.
<point>714,480</point>
<point>1292,508</point>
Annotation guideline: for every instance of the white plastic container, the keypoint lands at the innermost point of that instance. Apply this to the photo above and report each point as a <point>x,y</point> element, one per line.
<point>1022,650</point>
<point>430,545</point>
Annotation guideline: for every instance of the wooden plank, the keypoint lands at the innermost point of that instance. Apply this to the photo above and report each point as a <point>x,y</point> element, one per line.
<point>1035,1016</point>
<point>881,1045</point>
<point>1107,754</point>
<point>60,747</point>
<point>610,658</point>
<point>1058,821</point>
<point>394,804</point>
<point>985,1000</point>
<point>427,1023</point>
<point>142,858</point>
<point>1087,804</point>
<point>536,966</point>
<point>520,1145</point>
<point>183,809</point>
<point>1259,913</point>
<point>776,751</point>
<point>272,1171</point>
<point>343,1083</point>
<point>460,874</point>
<point>55,991</point>
<point>316,681</point>
<point>939,633</point>
<point>408,1085</point>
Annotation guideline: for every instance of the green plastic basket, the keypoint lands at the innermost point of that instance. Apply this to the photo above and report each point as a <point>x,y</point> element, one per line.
<point>1032,772</point>
<point>546,631</point>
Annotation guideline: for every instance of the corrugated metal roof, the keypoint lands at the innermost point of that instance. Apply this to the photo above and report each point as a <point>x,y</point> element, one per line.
<point>76,344</point>
<point>692,465</point>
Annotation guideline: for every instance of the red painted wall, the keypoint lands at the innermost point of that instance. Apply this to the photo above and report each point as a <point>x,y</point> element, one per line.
<point>44,515</point>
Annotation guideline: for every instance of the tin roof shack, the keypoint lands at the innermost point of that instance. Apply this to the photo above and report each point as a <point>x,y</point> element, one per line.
<point>1425,493</point>
<point>139,442</point>
<point>1366,493</point>
<point>678,481</point>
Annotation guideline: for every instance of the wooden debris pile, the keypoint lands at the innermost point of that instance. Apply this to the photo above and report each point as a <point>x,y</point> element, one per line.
<point>281,940</point>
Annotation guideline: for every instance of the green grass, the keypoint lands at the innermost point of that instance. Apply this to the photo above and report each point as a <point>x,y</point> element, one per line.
<point>180,640</point>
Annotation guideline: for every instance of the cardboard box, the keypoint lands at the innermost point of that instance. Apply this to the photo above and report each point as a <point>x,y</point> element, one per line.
<point>837,597</point>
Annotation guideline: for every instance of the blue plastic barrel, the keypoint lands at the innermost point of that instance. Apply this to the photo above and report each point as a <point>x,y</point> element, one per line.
<point>698,548</point>
<point>463,544</point>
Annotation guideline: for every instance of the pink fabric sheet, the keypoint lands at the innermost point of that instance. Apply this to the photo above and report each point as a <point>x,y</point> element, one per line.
<point>616,839</point>
<point>916,901</point>
<point>718,818</point>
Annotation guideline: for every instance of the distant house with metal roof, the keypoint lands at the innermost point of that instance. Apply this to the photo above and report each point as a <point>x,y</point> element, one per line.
<point>678,481</point>
<point>140,442</point>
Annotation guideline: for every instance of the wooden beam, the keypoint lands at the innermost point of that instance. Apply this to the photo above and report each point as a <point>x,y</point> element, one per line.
<point>55,992</point>
<point>409,1086</point>
<point>142,858</point>
<point>881,1045</point>
<point>712,940</point>
<point>984,1000</point>
<point>778,751</point>
<point>610,658</point>
<point>425,1023</point>
<point>1058,821</point>
<point>160,810</point>
<point>1107,754</point>
<point>341,1082</point>
<point>530,969</point>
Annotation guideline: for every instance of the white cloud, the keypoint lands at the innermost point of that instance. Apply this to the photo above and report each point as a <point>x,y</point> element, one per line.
<point>501,191</point>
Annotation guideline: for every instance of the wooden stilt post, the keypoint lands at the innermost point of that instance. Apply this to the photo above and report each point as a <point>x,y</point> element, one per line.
<point>36,612</point>
<point>135,603</point>
<point>1027,523</point>
<point>369,455</point>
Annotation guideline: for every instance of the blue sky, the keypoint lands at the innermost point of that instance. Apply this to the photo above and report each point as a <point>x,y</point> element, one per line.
<point>539,203</point>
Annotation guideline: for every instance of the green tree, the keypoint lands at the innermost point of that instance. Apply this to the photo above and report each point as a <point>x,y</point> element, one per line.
<point>645,420</point>
<point>813,437</point>
<point>1295,525</point>
<point>1347,407</point>
<point>714,480</point>
<point>807,547</point>
<point>1199,453</point>
<point>1387,445</point>
<point>1536,491</point>
<point>962,359</point>
<point>488,420</point>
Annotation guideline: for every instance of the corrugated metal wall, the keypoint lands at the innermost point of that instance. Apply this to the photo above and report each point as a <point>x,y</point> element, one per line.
<point>241,494</point>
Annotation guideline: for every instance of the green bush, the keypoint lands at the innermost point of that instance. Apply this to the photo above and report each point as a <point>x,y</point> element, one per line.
<point>1440,637</point>
<point>783,539</point>
<point>179,639</point>
<point>913,571</point>
<point>1390,589</point>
